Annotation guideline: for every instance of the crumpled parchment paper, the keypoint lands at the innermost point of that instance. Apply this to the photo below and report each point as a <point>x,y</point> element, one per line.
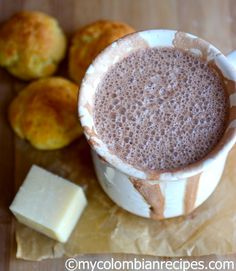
<point>104,227</point>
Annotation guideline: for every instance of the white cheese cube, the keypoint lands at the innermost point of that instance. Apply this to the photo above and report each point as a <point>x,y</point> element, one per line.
<point>49,204</point>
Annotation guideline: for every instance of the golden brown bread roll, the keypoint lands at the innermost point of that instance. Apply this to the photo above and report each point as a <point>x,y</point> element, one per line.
<point>89,41</point>
<point>45,113</point>
<point>31,45</point>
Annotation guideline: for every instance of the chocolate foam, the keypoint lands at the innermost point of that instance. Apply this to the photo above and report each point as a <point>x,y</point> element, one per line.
<point>161,109</point>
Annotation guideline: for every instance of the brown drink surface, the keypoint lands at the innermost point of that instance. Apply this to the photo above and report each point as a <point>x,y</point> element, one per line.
<point>161,109</point>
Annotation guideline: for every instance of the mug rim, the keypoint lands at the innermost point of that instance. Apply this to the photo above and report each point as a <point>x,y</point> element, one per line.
<point>152,37</point>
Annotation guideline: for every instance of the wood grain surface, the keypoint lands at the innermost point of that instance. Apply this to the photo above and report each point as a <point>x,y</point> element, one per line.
<point>213,20</point>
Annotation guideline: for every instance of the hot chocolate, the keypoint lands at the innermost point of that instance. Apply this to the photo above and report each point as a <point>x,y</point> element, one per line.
<point>161,108</point>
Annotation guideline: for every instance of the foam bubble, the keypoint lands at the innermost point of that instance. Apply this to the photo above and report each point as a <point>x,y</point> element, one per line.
<point>161,108</point>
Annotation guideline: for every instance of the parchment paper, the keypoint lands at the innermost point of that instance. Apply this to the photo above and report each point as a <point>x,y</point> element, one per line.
<point>104,227</point>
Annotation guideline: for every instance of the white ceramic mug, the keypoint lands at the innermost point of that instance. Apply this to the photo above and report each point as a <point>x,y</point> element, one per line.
<point>157,194</point>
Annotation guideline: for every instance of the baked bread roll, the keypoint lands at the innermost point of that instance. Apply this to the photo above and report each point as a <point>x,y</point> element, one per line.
<point>89,41</point>
<point>31,45</point>
<point>45,113</point>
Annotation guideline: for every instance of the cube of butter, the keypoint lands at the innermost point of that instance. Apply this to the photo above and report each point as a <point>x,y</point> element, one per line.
<point>49,204</point>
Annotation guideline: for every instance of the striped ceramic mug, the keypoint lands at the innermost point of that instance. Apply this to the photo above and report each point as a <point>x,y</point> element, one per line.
<point>157,194</point>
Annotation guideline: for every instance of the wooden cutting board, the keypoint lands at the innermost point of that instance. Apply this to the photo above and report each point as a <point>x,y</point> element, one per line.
<point>213,20</point>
